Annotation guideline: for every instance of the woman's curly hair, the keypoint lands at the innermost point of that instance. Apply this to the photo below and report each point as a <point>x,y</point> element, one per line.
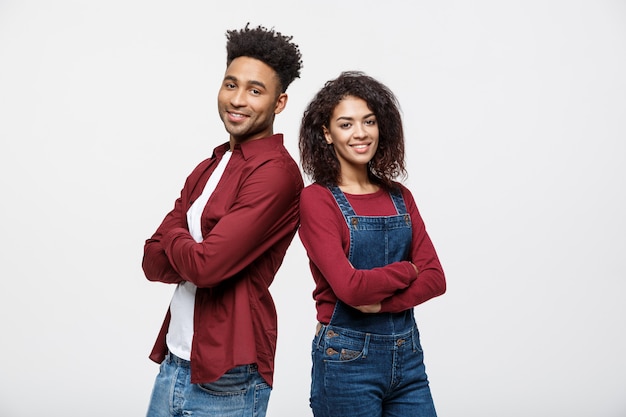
<point>318,158</point>
<point>273,48</point>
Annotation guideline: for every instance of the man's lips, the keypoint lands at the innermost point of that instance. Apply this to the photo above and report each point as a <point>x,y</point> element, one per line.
<point>235,116</point>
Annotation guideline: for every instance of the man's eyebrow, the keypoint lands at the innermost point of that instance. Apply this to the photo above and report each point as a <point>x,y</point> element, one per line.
<point>251,82</point>
<point>258,83</point>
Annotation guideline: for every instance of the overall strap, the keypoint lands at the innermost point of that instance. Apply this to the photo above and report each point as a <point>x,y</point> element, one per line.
<point>347,210</point>
<point>398,201</point>
<point>343,203</point>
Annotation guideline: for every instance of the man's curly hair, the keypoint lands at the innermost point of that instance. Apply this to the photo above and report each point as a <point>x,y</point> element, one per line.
<point>319,159</point>
<point>268,46</point>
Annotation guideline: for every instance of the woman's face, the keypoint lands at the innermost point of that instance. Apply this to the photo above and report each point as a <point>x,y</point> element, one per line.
<point>353,131</point>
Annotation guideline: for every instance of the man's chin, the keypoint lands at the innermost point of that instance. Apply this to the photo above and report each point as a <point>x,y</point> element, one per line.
<point>236,131</point>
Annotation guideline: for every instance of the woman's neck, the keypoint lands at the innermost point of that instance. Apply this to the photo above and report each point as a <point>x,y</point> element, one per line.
<point>357,184</point>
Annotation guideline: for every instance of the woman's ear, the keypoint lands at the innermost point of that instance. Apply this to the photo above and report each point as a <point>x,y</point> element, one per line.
<point>329,138</point>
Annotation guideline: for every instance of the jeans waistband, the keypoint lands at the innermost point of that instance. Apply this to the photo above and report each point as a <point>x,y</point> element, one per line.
<point>171,358</point>
<point>250,368</point>
<point>385,341</point>
<point>331,331</point>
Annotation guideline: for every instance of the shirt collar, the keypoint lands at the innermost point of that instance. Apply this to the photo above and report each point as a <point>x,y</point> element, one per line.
<point>252,147</point>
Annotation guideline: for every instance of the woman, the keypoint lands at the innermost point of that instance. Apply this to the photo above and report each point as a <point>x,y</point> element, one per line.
<point>370,255</point>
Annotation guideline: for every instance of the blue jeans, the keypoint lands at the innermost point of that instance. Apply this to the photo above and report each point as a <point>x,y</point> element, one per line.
<point>241,392</point>
<point>358,374</point>
<point>371,364</point>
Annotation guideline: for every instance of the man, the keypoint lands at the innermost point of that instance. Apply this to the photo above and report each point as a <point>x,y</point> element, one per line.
<point>224,241</point>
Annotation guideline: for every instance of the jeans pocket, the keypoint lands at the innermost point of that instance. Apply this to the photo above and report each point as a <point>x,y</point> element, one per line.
<point>344,350</point>
<point>216,388</point>
<point>348,355</point>
<point>236,381</point>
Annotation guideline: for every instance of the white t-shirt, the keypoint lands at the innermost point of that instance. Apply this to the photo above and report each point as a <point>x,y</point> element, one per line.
<point>180,331</point>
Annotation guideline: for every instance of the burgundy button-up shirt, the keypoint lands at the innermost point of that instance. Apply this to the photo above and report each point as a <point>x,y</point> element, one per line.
<point>247,224</point>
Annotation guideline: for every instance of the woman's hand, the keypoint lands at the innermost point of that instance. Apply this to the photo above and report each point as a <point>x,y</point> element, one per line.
<point>370,308</point>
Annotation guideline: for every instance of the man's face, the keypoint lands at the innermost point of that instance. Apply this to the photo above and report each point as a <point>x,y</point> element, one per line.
<point>249,98</point>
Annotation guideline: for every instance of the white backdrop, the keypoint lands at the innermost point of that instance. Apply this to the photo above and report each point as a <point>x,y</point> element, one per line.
<point>515,120</point>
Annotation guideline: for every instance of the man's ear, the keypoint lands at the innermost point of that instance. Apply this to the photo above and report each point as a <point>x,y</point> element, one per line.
<point>281,103</point>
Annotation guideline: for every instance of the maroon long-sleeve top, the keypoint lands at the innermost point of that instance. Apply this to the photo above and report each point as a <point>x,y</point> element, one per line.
<point>326,238</point>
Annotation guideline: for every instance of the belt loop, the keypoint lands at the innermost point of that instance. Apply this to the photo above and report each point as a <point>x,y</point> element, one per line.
<point>367,342</point>
<point>414,337</point>
<point>319,334</point>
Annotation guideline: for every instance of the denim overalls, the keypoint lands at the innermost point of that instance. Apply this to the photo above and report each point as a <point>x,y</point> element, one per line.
<point>371,364</point>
